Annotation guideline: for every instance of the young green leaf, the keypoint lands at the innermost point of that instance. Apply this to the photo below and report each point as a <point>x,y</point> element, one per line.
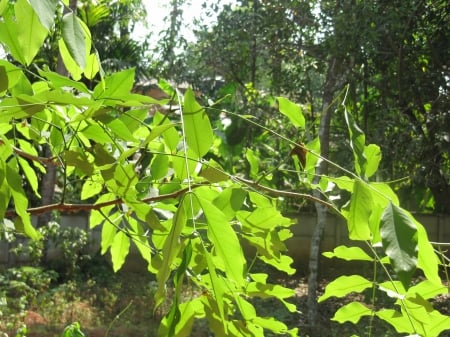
<point>292,111</point>
<point>399,238</point>
<point>344,285</point>
<point>351,312</point>
<point>120,248</point>
<point>199,134</point>
<point>361,203</point>
<point>349,254</point>
<point>225,240</point>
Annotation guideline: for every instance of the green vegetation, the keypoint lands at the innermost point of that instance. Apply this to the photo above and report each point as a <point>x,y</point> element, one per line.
<point>176,184</point>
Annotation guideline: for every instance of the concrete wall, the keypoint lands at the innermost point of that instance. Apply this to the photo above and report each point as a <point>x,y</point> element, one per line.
<point>438,228</point>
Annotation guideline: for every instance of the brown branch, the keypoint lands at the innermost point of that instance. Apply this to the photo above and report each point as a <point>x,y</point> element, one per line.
<point>42,160</point>
<point>74,208</point>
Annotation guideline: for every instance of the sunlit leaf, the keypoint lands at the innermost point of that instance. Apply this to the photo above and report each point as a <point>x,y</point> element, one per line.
<point>120,248</point>
<point>351,312</point>
<point>225,240</point>
<point>372,153</point>
<point>345,285</point>
<point>292,111</point>
<point>361,203</point>
<point>199,134</point>
<point>349,254</point>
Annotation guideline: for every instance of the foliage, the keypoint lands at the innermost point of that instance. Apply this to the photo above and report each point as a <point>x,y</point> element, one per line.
<point>153,185</point>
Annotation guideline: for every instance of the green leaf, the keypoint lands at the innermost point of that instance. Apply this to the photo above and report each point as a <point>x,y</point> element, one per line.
<point>31,176</point>
<point>428,261</point>
<point>218,287</point>
<point>357,143</point>
<point>91,188</point>
<point>402,324</point>
<point>230,201</point>
<point>267,218</point>
<point>74,38</point>
<point>349,254</point>
<point>69,62</point>
<point>109,231</point>
<point>92,66</point>
<point>59,81</point>
<point>171,248</point>
<point>372,153</point>
<point>159,166</point>
<point>119,249</point>
<point>399,238</point>
<point>79,160</point>
<point>358,216</point>
<point>45,9</point>
<point>10,75</point>
<point>344,285</point>
<point>351,312</point>
<point>292,111</point>
<point>116,86</point>
<point>188,312</point>
<point>213,172</point>
<point>225,240</point>
<point>253,160</point>
<point>199,134</point>
<point>20,200</point>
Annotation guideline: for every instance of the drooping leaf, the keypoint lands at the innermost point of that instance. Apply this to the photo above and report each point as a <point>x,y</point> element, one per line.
<point>31,176</point>
<point>357,143</point>
<point>199,134</point>
<point>120,248</point>
<point>361,203</point>
<point>225,240</point>
<point>399,237</point>
<point>292,111</point>
<point>171,248</point>
<point>344,285</point>
<point>351,312</point>
<point>74,38</point>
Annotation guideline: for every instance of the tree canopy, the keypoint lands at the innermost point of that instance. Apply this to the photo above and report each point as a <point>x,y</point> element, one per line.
<point>168,177</point>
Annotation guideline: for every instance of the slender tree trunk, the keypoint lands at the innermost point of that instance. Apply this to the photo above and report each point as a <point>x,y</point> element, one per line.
<point>335,79</point>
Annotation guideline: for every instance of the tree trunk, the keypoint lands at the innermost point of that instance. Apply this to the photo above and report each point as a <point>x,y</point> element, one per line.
<point>335,79</point>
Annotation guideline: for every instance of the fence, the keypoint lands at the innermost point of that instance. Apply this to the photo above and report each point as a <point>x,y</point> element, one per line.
<point>438,228</point>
